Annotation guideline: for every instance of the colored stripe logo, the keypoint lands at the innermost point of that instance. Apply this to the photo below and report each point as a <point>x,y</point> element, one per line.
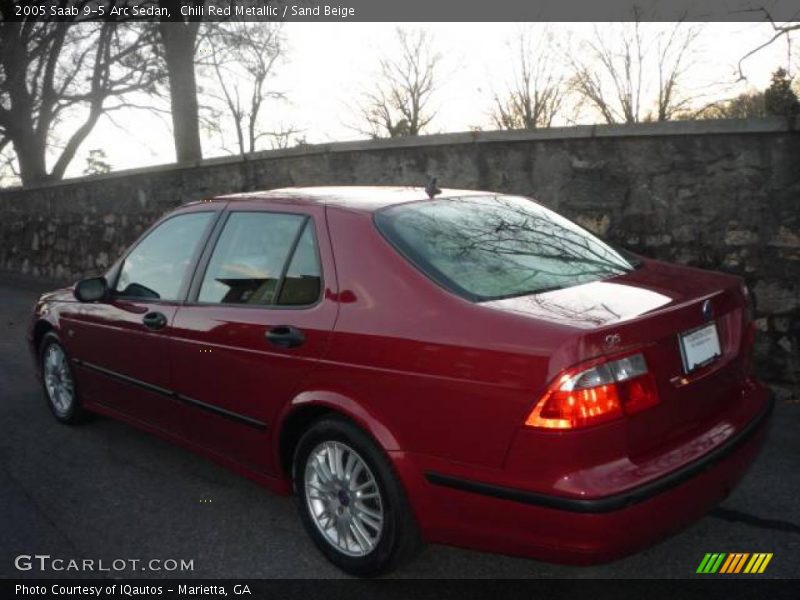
<point>734,563</point>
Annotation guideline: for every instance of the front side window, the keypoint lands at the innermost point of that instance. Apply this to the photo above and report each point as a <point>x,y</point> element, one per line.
<point>263,259</point>
<point>491,247</point>
<point>157,267</point>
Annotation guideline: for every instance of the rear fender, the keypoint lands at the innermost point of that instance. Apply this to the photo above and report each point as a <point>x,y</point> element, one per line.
<point>341,404</point>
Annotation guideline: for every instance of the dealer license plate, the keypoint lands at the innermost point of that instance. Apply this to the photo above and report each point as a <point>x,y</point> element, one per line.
<point>699,347</point>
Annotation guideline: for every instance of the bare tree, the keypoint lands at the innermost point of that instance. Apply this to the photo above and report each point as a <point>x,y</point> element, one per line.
<point>536,93</point>
<point>743,106</point>
<point>285,136</point>
<point>240,59</point>
<point>53,70</point>
<point>673,56</point>
<point>398,102</point>
<point>632,72</point>
<point>780,30</point>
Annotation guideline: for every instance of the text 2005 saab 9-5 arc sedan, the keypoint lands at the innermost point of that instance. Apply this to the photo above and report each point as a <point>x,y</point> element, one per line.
<point>469,368</point>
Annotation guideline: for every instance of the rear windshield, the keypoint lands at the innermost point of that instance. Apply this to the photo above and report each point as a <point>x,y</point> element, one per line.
<point>492,247</point>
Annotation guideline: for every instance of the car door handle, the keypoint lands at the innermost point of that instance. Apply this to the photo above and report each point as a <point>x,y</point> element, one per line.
<point>155,320</point>
<point>285,336</point>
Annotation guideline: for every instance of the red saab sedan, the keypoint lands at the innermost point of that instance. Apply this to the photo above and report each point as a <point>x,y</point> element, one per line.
<point>469,368</point>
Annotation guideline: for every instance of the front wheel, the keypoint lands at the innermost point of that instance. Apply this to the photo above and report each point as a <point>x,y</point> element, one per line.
<point>350,499</point>
<point>58,381</point>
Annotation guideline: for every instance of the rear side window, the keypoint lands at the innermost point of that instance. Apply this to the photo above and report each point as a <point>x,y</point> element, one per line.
<point>301,285</point>
<point>492,247</point>
<point>264,259</point>
<point>157,267</point>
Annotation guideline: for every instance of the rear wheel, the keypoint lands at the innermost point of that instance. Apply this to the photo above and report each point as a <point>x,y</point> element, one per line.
<point>350,500</point>
<point>58,381</point>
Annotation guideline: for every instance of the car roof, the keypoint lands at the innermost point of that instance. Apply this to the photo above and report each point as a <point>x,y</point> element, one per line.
<point>360,198</point>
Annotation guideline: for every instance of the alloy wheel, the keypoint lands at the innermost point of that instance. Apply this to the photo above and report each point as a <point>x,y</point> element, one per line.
<point>58,380</point>
<point>344,499</point>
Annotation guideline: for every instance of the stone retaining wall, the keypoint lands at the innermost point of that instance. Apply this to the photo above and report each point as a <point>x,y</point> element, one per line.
<point>721,195</point>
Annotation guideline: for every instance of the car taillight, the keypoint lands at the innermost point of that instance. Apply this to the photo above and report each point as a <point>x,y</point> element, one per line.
<point>594,393</point>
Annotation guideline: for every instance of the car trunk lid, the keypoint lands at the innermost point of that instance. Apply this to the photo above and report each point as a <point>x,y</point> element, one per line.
<point>647,311</point>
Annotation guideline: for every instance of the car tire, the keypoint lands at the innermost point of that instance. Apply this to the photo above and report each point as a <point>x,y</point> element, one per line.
<point>58,381</point>
<point>357,513</point>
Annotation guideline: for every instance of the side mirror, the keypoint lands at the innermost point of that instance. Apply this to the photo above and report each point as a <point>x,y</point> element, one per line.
<point>91,289</point>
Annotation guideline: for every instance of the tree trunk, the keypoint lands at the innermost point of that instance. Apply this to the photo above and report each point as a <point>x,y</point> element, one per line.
<point>17,117</point>
<point>30,157</point>
<point>178,40</point>
<point>29,147</point>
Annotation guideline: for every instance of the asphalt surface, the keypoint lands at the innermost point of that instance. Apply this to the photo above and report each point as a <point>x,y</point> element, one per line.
<point>105,490</point>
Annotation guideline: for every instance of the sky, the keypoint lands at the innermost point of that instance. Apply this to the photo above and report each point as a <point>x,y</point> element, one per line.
<point>328,64</point>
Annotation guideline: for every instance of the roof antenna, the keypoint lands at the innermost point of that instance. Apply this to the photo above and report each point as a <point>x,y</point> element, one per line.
<point>431,189</point>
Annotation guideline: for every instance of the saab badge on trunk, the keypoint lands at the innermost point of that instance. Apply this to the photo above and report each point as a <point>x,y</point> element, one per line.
<point>708,311</point>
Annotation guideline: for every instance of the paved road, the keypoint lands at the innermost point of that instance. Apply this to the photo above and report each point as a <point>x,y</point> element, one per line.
<point>106,491</point>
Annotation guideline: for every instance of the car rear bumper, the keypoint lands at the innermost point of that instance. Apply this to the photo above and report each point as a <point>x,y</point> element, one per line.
<point>469,512</point>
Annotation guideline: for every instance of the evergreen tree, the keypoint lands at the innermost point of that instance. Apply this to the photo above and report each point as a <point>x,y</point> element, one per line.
<point>779,97</point>
<point>96,163</point>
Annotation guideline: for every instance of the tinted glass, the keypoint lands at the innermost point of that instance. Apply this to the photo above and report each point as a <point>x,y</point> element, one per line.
<point>159,264</point>
<point>251,254</point>
<point>302,283</point>
<point>489,247</point>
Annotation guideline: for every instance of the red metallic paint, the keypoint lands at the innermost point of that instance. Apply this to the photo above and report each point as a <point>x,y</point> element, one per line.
<point>442,384</point>
<point>94,330</point>
<point>342,404</point>
<point>475,521</point>
<point>219,356</point>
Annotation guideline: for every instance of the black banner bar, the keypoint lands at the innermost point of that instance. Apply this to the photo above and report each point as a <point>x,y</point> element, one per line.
<point>398,589</point>
<point>400,11</point>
